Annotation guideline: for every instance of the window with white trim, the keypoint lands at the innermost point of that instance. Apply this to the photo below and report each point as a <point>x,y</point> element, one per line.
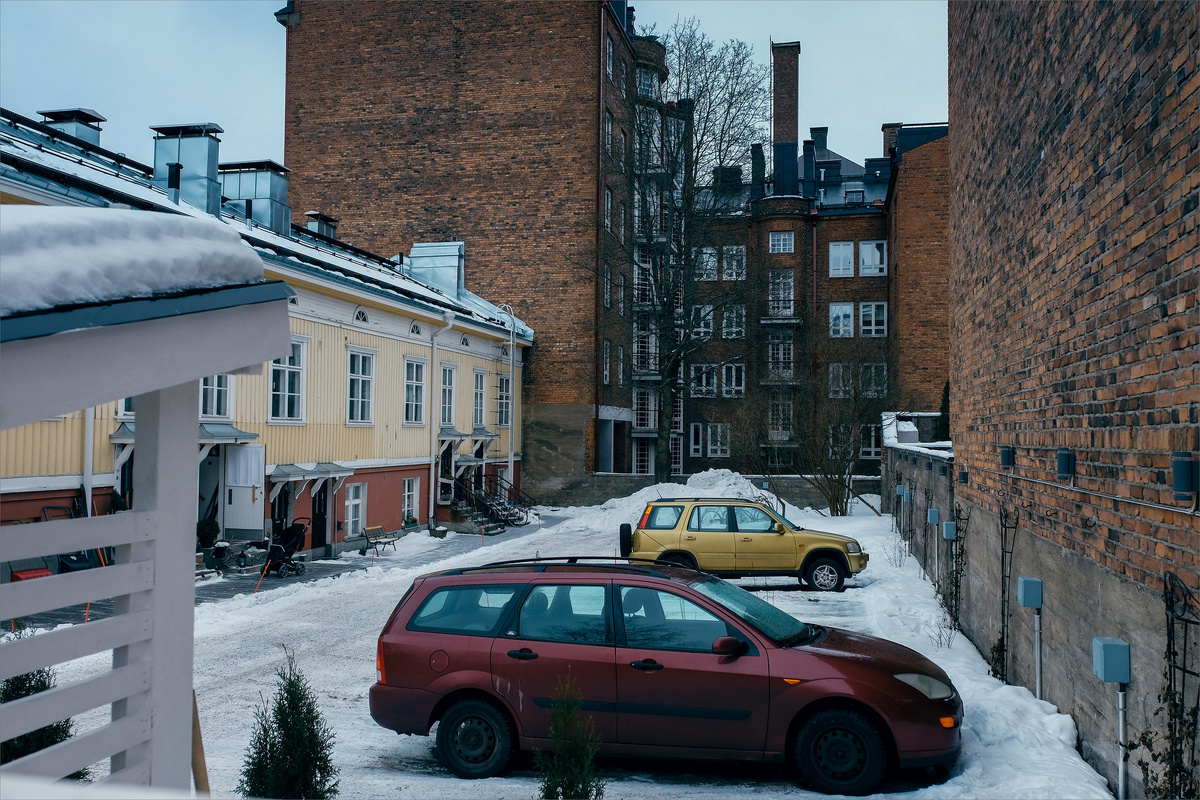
<point>872,319</point>
<point>872,442</point>
<point>356,509</point>
<point>643,455</point>
<point>718,439</point>
<point>606,286</point>
<point>606,362</point>
<point>733,380</point>
<point>778,457</point>
<point>841,320</point>
<point>620,365</point>
<point>624,78</point>
<point>608,61</point>
<point>287,385</point>
<point>676,455</point>
<point>872,258</point>
<point>840,381</point>
<point>706,264</point>
<point>410,500</point>
<point>677,415</point>
<point>702,322</point>
<point>645,409</point>
<point>733,322</point>
<point>874,380</point>
<point>854,195</point>
<point>607,209</point>
<point>643,284</point>
<point>479,400</point>
<point>779,420</point>
<point>782,241</point>
<point>696,440</point>
<point>621,295</point>
<point>704,380</point>
<point>780,299</point>
<point>780,354</point>
<point>608,130</point>
<point>125,408</point>
<point>414,392</point>
<point>360,396</point>
<point>733,262</point>
<point>645,347</point>
<point>504,400</point>
<point>647,83</point>
<point>216,396</point>
<point>841,442</point>
<point>449,372</point>
<point>841,259</point>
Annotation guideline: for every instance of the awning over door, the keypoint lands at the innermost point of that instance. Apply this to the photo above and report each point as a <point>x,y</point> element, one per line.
<point>303,473</point>
<point>209,433</point>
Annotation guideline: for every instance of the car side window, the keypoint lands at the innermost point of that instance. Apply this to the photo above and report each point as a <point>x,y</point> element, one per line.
<point>659,620</point>
<point>752,520</point>
<point>664,518</point>
<point>709,518</point>
<point>473,610</point>
<point>565,613</point>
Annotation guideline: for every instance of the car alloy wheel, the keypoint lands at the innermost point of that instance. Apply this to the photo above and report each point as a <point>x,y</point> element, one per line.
<point>839,752</point>
<point>474,740</point>
<point>825,575</point>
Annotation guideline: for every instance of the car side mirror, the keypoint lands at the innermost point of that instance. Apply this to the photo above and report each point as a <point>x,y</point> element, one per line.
<point>780,527</point>
<point>728,646</point>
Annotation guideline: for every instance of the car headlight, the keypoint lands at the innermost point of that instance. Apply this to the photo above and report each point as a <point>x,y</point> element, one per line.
<point>926,685</point>
<point>852,548</point>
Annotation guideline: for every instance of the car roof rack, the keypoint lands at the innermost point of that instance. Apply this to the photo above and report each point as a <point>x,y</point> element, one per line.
<point>625,564</point>
<point>698,499</point>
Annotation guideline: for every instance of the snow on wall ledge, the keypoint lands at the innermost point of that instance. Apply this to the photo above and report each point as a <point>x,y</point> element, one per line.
<point>56,256</point>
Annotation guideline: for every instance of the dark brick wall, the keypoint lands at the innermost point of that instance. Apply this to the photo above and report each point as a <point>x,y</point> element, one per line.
<point>1075,162</point>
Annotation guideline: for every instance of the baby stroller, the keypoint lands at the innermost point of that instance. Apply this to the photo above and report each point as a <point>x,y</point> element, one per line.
<point>283,546</point>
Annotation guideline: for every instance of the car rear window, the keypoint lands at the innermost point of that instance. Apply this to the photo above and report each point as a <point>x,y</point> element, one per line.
<point>472,610</point>
<point>664,518</point>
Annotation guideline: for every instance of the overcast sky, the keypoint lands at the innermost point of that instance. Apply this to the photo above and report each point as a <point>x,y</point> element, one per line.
<point>155,62</point>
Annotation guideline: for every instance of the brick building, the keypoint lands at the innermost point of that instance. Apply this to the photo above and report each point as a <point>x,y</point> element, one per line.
<point>1075,347</point>
<point>507,126</point>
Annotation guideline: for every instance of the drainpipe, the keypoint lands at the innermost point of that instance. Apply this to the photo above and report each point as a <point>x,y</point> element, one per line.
<point>448,318</point>
<point>601,86</point>
<point>89,451</point>
<point>512,388</point>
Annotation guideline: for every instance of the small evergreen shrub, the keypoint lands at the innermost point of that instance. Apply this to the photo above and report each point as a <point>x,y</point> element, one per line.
<point>25,685</point>
<point>291,751</point>
<point>568,771</point>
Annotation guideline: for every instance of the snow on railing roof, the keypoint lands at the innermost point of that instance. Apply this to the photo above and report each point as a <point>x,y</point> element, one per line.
<point>892,424</point>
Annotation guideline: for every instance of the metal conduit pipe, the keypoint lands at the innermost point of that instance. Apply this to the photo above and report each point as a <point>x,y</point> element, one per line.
<point>448,318</point>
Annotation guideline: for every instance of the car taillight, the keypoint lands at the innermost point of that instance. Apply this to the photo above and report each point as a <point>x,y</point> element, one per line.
<point>645,518</point>
<point>379,661</point>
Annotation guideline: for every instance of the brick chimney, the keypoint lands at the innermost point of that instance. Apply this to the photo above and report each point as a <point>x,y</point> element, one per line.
<point>785,60</point>
<point>890,129</point>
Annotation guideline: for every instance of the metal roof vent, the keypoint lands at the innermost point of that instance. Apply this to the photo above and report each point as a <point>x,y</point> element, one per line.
<point>258,191</point>
<point>322,224</point>
<point>82,123</point>
<point>194,146</point>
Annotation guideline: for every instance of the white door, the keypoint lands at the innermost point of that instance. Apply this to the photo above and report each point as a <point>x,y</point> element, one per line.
<point>245,476</point>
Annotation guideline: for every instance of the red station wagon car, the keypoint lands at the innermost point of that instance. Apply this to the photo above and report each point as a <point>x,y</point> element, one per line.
<point>671,663</point>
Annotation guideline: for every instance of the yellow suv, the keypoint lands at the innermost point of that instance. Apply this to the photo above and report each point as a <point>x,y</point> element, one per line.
<point>731,537</point>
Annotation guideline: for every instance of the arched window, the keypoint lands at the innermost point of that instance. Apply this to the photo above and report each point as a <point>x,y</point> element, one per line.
<point>360,315</point>
<point>465,342</point>
<point>415,330</point>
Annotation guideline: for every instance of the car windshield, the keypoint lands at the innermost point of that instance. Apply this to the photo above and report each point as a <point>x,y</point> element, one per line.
<point>781,628</point>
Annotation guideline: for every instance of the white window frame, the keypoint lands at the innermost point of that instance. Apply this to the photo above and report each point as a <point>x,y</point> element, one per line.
<point>125,408</point>
<point>874,379</point>
<point>733,322</point>
<point>841,320</point>
<point>606,286</point>
<point>606,362</point>
<point>677,414</point>
<point>781,355</point>
<point>608,130</point>
<point>781,292</point>
<point>623,210</point>
<point>704,380</point>
<point>504,408</point>
<point>608,61</point>
<point>410,499</point>
<point>359,381</point>
<point>643,456</point>
<point>446,399</point>
<point>872,320</point>
<point>216,389</point>
<point>733,380</point>
<point>702,321</point>
<point>415,380</point>
<point>608,209</point>
<point>872,258</point>
<point>718,439</point>
<point>280,365</point>
<point>872,442</point>
<point>840,381</point>
<point>841,441</point>
<point>782,241</point>
<point>479,399</point>
<point>620,365</point>
<point>706,264</point>
<point>356,509</point>
<point>696,440</point>
<point>621,294</point>
<point>645,409</point>
<point>733,262</point>
<point>841,259</point>
<point>779,420</point>
<point>676,445</point>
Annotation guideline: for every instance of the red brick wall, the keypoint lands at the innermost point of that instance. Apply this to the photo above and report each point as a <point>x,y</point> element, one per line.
<point>1075,162</point>
<point>919,262</point>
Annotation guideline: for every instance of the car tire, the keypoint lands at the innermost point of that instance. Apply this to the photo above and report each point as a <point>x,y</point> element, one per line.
<point>839,752</point>
<point>474,739</point>
<point>626,539</point>
<point>825,575</point>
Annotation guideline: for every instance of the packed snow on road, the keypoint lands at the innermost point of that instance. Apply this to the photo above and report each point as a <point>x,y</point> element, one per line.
<point>1014,746</point>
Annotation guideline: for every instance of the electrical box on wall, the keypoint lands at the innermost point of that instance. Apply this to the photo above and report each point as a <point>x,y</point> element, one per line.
<point>1029,592</point>
<point>1110,659</point>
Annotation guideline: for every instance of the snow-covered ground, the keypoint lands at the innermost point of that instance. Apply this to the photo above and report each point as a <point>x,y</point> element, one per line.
<point>1014,746</point>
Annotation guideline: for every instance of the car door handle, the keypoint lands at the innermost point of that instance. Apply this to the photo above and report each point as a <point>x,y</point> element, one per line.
<point>689,538</point>
<point>747,539</point>
<point>524,654</point>
<point>647,665</point>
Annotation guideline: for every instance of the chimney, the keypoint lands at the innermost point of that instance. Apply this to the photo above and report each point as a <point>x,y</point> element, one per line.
<point>258,191</point>
<point>758,172</point>
<point>785,59</point>
<point>193,146</point>
<point>820,137</point>
<point>810,168</point>
<point>82,123</point>
<point>439,264</point>
<point>322,224</point>
<point>890,130</point>
<point>727,178</point>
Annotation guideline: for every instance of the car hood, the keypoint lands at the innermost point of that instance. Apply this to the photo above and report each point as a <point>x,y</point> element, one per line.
<point>836,537</point>
<point>880,654</point>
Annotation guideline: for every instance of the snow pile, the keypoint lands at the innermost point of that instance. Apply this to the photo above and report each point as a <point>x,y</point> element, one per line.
<point>1014,746</point>
<point>56,256</point>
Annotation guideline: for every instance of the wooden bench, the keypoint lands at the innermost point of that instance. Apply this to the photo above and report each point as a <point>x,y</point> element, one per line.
<point>377,538</point>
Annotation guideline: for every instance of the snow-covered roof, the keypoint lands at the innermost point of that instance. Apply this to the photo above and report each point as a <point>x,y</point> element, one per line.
<point>60,255</point>
<point>894,425</point>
